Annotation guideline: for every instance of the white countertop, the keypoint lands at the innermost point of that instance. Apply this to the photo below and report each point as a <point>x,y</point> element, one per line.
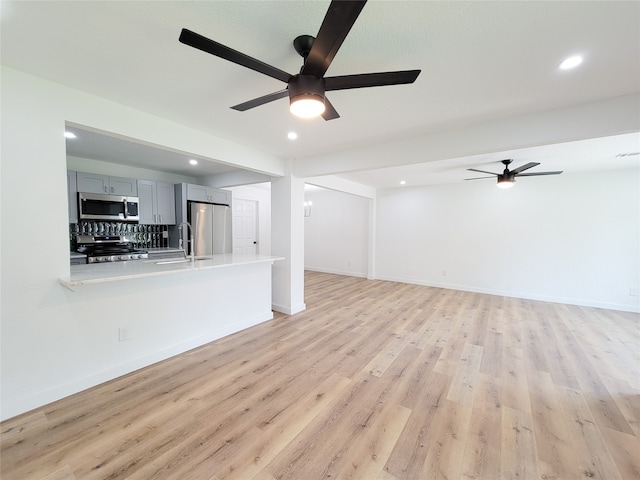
<point>114,271</point>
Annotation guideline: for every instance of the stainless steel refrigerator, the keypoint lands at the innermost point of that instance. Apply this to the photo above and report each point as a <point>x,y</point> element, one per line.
<point>211,228</point>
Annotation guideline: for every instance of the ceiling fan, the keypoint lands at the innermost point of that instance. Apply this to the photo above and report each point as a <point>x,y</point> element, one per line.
<point>306,90</point>
<point>507,178</point>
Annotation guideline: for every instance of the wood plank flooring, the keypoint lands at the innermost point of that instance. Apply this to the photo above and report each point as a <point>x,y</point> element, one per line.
<point>375,380</point>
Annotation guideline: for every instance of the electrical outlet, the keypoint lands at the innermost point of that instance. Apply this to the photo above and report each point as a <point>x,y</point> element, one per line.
<point>123,334</point>
<point>633,292</point>
<point>444,273</point>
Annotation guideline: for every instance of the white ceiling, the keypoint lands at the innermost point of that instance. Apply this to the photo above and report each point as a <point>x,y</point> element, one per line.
<point>480,61</point>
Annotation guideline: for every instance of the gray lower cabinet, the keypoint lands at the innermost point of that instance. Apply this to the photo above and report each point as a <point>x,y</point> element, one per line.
<point>161,254</point>
<point>77,258</point>
<point>96,183</point>
<point>157,203</point>
<point>72,194</point>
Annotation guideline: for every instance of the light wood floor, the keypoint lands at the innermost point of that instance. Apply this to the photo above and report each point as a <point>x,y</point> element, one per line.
<point>375,380</point>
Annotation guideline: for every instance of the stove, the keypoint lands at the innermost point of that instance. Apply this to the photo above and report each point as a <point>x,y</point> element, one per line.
<point>108,248</point>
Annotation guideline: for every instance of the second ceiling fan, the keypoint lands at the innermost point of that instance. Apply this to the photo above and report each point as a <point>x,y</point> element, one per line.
<point>306,90</point>
<point>507,178</point>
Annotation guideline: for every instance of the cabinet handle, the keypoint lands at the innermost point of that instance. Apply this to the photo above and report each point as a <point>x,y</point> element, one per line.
<point>159,218</point>
<point>155,218</point>
<point>106,190</point>
<point>111,189</point>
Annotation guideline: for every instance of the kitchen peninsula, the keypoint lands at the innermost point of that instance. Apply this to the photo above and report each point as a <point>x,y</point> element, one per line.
<point>131,314</point>
<point>109,272</point>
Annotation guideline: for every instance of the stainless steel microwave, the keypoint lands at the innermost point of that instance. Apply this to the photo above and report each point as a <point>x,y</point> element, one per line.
<point>98,206</point>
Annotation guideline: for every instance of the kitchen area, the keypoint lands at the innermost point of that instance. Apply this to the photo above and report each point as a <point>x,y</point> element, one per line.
<point>163,252</point>
<point>124,227</point>
<point>123,219</point>
<point>152,274</point>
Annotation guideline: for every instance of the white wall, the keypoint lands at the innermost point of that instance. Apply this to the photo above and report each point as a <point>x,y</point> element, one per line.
<point>571,238</point>
<point>53,342</point>
<point>262,195</point>
<point>336,235</point>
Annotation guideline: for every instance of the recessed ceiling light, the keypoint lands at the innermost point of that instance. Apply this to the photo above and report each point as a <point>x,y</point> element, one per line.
<point>69,135</point>
<point>571,62</point>
<point>193,162</point>
<point>402,182</point>
<point>292,135</point>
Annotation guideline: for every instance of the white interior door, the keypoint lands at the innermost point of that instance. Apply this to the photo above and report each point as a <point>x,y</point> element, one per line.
<point>245,226</point>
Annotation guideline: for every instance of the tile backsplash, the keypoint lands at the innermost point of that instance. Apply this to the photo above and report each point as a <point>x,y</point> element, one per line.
<point>143,236</point>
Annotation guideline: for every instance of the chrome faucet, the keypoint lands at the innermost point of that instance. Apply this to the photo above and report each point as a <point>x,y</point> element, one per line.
<point>190,238</point>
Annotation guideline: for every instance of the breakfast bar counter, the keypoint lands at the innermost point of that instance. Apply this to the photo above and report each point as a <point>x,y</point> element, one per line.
<point>115,271</point>
<point>131,314</point>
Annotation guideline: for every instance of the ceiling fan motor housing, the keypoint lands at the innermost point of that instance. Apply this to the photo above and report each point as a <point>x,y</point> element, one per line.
<point>306,86</point>
<point>506,178</point>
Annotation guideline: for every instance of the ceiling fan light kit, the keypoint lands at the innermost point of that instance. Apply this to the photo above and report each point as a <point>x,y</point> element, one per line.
<point>507,178</point>
<point>307,106</point>
<point>307,89</point>
<point>306,96</point>
<point>505,182</point>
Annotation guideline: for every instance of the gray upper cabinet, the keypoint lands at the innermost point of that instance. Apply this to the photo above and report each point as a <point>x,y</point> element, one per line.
<point>200,193</point>
<point>166,202</point>
<point>123,186</point>
<point>93,183</point>
<point>157,203</point>
<point>96,183</point>
<point>72,193</point>
<point>147,206</point>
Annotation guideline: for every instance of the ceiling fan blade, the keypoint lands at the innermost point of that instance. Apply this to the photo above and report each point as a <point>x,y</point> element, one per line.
<point>478,178</point>
<point>337,22</point>
<point>196,40</point>
<point>539,173</point>
<point>256,102</point>
<point>346,82</point>
<point>481,171</point>
<point>524,167</point>
<point>329,113</point>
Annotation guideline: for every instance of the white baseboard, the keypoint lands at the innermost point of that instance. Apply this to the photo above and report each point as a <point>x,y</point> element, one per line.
<point>337,272</point>
<point>289,310</point>
<point>515,294</point>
